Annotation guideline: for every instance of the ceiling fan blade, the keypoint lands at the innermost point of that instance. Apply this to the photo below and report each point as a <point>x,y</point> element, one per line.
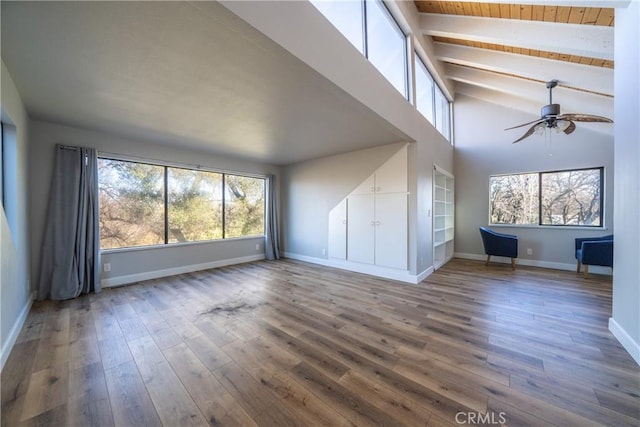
<point>527,134</point>
<point>524,124</point>
<point>570,128</point>
<point>576,117</point>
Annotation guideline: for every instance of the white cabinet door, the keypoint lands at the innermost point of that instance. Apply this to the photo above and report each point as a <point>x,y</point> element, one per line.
<point>361,228</point>
<point>391,177</point>
<point>338,231</point>
<point>391,230</point>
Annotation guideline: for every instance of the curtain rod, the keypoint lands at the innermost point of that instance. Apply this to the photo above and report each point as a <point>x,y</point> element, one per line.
<point>67,147</point>
<point>125,157</point>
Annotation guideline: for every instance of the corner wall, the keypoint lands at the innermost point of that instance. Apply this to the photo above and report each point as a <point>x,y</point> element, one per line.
<point>625,320</point>
<point>15,289</point>
<point>483,148</point>
<point>132,265</point>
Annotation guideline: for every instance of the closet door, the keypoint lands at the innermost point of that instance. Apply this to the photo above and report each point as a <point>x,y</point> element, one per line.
<point>361,228</point>
<point>338,231</point>
<point>391,230</point>
<point>391,177</point>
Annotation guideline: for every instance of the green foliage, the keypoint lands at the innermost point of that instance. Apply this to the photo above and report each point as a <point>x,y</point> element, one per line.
<point>132,205</point>
<point>195,205</point>
<point>244,206</point>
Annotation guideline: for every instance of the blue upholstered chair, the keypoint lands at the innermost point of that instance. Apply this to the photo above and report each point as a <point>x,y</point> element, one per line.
<point>594,251</point>
<point>499,244</point>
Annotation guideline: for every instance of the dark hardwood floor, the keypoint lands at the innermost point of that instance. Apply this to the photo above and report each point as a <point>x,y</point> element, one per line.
<point>288,343</point>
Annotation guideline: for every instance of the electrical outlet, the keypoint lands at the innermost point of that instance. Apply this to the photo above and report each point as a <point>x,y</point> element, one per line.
<point>257,246</point>
<point>106,266</point>
<point>529,251</point>
<point>324,251</point>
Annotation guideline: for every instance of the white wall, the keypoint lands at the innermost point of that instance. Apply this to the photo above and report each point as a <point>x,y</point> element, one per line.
<point>136,264</point>
<point>315,41</point>
<point>625,321</point>
<point>483,148</point>
<point>15,292</point>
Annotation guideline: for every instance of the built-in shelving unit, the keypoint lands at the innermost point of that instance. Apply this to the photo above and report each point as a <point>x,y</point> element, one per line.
<point>443,216</point>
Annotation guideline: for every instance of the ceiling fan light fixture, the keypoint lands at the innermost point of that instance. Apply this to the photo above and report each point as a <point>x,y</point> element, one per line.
<point>551,118</point>
<point>562,125</point>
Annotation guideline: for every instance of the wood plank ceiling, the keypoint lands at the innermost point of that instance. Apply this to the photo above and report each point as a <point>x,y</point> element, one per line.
<point>558,14</point>
<point>506,50</point>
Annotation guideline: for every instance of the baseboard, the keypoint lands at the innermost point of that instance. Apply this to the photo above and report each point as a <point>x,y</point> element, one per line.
<point>595,269</point>
<point>7,346</point>
<point>156,274</point>
<point>372,270</point>
<point>632,347</point>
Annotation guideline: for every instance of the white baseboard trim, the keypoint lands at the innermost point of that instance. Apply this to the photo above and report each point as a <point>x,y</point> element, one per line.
<point>156,274</point>
<point>632,347</point>
<point>420,277</point>
<point>7,346</point>
<point>595,269</point>
<point>372,270</point>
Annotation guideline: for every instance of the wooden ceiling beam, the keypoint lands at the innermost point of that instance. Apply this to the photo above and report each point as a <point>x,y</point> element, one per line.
<point>571,101</point>
<point>520,104</point>
<point>572,3</point>
<point>571,39</point>
<point>580,76</point>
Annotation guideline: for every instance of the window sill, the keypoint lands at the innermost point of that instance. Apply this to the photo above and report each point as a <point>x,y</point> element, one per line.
<point>175,245</point>
<point>550,227</point>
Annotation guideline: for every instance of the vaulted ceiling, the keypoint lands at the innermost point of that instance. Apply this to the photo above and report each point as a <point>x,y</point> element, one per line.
<point>506,51</point>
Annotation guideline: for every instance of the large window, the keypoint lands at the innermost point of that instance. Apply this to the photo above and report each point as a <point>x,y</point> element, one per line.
<point>143,204</point>
<point>568,198</point>
<point>386,45</point>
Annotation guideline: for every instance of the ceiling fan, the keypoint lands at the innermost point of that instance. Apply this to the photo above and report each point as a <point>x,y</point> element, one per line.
<point>552,119</point>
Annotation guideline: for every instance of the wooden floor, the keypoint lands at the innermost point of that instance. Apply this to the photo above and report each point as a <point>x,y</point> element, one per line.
<point>288,343</point>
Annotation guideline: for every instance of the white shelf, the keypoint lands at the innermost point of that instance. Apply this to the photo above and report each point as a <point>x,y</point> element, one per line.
<point>443,216</point>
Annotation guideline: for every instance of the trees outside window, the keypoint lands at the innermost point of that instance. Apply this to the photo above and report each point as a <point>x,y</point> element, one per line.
<point>195,205</point>
<point>514,199</point>
<point>569,198</point>
<point>244,206</point>
<point>131,198</point>
<point>572,197</point>
<point>137,210</point>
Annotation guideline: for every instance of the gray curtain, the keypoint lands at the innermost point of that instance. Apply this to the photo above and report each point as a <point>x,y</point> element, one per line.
<point>272,246</point>
<point>71,245</point>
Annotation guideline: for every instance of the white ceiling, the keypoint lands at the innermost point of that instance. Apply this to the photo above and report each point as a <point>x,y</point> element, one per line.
<point>188,74</point>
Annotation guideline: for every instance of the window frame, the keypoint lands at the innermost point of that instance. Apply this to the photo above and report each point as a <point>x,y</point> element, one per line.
<point>601,226</point>
<point>420,65</point>
<point>196,168</point>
